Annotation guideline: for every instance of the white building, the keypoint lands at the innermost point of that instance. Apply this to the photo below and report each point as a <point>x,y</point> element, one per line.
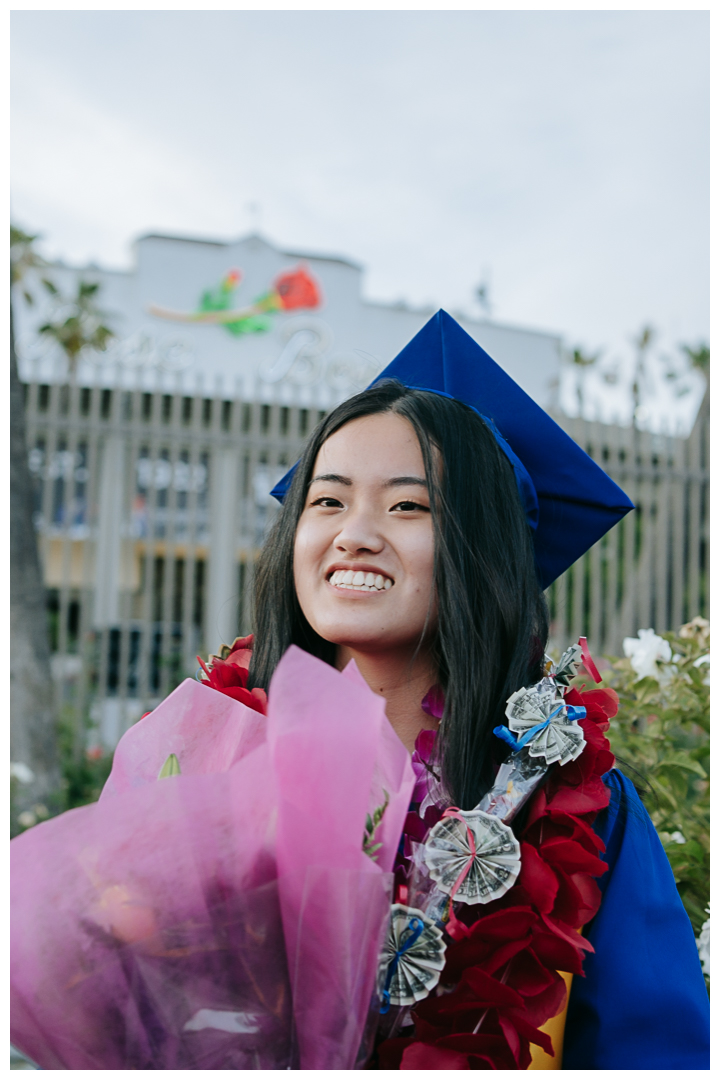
<point>313,355</point>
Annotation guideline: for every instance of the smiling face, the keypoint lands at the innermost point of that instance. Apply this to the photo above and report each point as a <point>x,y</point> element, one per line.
<point>363,557</point>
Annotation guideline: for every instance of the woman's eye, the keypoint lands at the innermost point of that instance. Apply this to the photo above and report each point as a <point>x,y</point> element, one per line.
<point>408,506</point>
<point>326,500</point>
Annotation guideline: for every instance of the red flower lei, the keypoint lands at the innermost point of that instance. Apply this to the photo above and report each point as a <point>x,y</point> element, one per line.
<point>501,978</point>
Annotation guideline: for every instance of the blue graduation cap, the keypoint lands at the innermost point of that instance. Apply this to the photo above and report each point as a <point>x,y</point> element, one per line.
<point>570,503</point>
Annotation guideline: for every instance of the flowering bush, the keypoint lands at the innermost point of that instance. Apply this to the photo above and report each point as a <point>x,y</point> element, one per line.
<point>662,730</point>
<point>83,775</point>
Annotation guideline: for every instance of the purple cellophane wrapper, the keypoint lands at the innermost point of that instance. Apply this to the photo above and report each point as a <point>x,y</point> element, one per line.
<point>225,918</point>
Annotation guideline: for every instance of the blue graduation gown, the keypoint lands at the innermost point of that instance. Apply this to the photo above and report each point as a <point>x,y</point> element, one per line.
<point>643,1002</point>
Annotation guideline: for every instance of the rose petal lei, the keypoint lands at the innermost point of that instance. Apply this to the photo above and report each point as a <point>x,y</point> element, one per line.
<point>501,978</point>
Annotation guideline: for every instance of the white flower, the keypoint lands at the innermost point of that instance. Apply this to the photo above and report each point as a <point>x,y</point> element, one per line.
<point>697,628</point>
<point>22,772</point>
<point>678,838</point>
<point>645,651</point>
<point>703,945</point>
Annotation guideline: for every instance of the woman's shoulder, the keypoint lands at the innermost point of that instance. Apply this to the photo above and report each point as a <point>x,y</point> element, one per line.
<point>624,800</point>
<point>629,835</point>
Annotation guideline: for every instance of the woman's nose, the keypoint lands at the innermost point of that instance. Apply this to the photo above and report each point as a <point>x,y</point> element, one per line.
<point>359,533</point>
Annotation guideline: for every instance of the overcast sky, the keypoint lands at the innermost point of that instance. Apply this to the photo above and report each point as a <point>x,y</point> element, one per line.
<point>562,157</point>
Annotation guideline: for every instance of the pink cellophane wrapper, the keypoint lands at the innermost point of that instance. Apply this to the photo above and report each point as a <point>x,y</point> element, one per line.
<point>226,917</point>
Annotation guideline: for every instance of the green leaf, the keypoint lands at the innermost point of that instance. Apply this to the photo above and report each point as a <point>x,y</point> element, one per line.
<point>646,689</point>
<point>170,768</point>
<point>694,852</point>
<point>681,761</point>
<point>371,823</point>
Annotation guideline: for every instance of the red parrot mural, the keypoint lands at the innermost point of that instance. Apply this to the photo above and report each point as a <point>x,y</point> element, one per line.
<point>292,290</point>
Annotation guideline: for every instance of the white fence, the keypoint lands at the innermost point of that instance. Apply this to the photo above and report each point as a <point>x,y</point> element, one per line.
<point>151,507</point>
<point>652,569</point>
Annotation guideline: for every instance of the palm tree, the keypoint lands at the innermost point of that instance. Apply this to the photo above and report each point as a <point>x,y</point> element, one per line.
<point>699,357</point>
<point>582,361</point>
<point>642,343</point>
<point>33,743</point>
<point>78,324</point>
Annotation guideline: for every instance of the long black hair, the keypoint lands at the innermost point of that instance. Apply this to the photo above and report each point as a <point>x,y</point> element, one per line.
<point>492,622</point>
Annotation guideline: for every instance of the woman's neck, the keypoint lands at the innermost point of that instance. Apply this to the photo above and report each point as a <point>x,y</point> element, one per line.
<point>403,680</point>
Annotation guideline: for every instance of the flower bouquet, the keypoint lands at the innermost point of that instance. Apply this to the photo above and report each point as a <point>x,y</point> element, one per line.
<point>225,903</point>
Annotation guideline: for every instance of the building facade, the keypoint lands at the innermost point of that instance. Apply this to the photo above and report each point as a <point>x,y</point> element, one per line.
<point>173,315</point>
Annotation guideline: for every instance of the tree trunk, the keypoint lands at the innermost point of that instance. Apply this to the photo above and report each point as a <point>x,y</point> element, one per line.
<point>33,740</point>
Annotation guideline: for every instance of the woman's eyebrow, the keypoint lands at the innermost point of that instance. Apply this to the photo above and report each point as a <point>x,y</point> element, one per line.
<point>395,481</point>
<point>332,478</point>
<point>404,481</point>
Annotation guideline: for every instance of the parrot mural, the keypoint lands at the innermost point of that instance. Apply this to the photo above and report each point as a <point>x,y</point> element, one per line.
<point>292,290</point>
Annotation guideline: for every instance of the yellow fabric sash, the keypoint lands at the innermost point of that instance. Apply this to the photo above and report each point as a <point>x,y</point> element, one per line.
<point>555,1028</point>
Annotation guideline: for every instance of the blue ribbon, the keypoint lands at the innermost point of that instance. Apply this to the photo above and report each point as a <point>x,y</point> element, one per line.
<point>413,931</point>
<point>574,712</point>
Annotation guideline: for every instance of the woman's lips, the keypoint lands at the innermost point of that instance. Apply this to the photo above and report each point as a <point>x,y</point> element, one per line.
<point>360,580</point>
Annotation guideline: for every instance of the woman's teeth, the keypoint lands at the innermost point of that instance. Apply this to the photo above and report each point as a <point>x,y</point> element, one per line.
<point>359,579</point>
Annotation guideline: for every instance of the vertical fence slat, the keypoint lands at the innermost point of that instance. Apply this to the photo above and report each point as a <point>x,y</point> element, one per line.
<point>167,589</point>
<point>663,485</point>
<point>87,688</point>
<point>694,523</point>
<point>644,556</point>
<point>126,419</point>
<point>631,527</point>
<point>146,639</point>
<point>677,533</point>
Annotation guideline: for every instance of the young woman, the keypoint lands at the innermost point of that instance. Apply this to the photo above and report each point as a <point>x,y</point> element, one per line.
<point>404,545</point>
<point>415,542</point>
